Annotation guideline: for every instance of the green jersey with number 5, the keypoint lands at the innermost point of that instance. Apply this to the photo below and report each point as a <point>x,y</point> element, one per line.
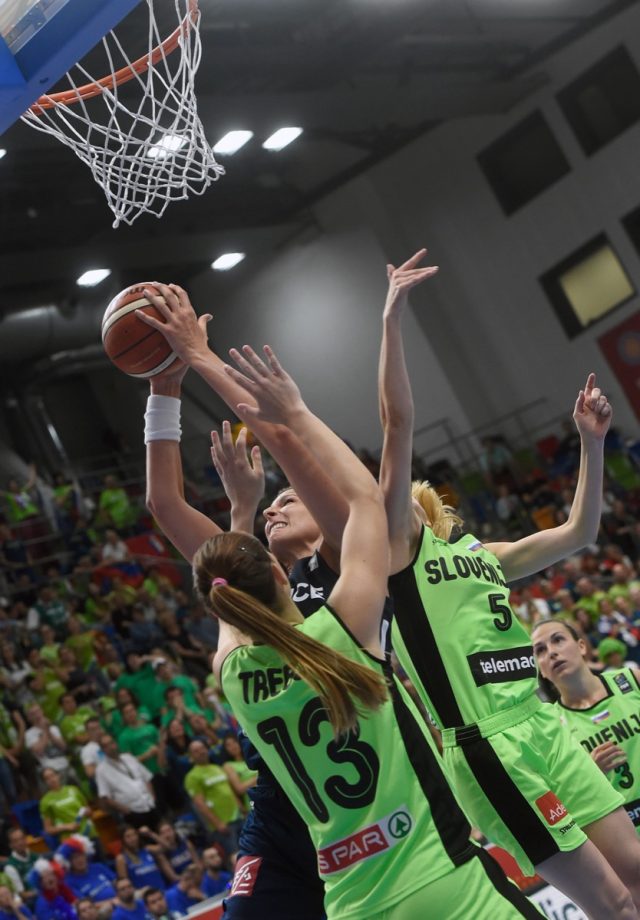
<point>380,813</point>
<point>614,718</point>
<point>455,634</point>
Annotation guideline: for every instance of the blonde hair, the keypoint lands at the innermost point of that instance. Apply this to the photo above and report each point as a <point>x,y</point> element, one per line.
<point>442,518</point>
<point>249,602</point>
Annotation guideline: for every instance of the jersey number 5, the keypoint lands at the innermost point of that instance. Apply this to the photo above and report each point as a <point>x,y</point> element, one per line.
<point>497,605</point>
<point>347,749</point>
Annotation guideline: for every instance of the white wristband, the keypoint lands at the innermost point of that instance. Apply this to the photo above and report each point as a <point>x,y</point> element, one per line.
<point>162,419</point>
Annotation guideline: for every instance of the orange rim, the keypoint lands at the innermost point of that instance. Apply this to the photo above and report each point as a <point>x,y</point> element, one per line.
<point>125,74</point>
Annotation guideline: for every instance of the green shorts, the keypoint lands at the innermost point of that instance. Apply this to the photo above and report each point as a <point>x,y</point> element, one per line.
<point>529,786</point>
<point>477,889</point>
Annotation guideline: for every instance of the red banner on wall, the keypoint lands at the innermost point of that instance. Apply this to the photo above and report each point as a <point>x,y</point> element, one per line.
<point>621,347</point>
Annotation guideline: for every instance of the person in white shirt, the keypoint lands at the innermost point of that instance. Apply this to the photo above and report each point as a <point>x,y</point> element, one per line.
<point>91,752</point>
<point>46,743</point>
<point>114,549</point>
<point>124,785</point>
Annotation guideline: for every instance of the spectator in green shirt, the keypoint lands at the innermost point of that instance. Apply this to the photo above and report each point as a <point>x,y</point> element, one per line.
<point>50,609</point>
<point>589,597</point>
<point>19,502</point>
<point>139,677</point>
<point>176,706</point>
<point>213,798</point>
<point>140,738</point>
<point>115,722</point>
<point>49,648</point>
<point>80,640</point>
<point>165,676</point>
<point>114,507</point>
<point>72,723</point>
<point>22,860</point>
<point>144,741</point>
<point>64,809</point>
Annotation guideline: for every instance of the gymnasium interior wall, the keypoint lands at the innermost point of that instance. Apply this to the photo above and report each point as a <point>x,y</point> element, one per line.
<point>482,338</point>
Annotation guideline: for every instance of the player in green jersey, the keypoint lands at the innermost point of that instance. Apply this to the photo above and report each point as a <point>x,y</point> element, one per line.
<point>419,841</point>
<point>528,787</point>
<point>602,711</point>
<point>317,697</point>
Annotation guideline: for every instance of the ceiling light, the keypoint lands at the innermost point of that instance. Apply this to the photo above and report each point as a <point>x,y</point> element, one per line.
<point>167,145</point>
<point>232,141</point>
<point>228,260</point>
<point>93,276</point>
<point>281,138</point>
<point>2,152</point>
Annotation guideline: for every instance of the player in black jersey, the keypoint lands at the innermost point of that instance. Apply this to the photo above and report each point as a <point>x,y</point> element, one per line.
<point>278,875</point>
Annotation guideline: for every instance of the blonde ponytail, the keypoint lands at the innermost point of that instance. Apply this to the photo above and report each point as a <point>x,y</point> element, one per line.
<point>442,518</point>
<point>245,596</point>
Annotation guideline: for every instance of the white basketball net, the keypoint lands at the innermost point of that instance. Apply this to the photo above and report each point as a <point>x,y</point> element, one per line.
<point>152,150</point>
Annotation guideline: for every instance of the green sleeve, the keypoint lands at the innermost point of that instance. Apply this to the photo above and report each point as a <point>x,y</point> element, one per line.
<point>192,784</point>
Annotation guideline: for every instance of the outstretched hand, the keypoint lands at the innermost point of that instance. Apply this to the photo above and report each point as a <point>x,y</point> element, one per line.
<point>241,473</point>
<point>185,332</point>
<point>276,394</point>
<point>592,413</point>
<point>404,278</point>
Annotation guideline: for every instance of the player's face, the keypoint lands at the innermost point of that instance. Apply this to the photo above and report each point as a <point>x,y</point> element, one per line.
<point>557,652</point>
<point>289,522</point>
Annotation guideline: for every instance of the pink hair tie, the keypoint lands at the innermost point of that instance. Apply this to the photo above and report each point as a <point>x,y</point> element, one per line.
<point>219,581</point>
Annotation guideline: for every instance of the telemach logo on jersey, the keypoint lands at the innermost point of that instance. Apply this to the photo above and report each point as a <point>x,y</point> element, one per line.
<point>386,833</point>
<point>502,666</point>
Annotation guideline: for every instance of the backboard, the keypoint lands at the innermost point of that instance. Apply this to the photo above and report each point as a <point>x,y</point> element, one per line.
<point>40,40</point>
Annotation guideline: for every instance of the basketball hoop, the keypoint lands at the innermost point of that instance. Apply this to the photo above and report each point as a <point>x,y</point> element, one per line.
<point>150,149</point>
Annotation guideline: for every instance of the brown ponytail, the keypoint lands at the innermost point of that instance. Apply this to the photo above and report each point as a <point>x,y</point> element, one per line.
<point>442,518</point>
<point>249,602</point>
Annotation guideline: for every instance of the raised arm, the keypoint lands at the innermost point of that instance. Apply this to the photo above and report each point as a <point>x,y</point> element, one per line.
<point>396,412</point>
<point>183,525</point>
<point>188,338</point>
<point>241,475</point>
<point>592,416</point>
<point>305,450</point>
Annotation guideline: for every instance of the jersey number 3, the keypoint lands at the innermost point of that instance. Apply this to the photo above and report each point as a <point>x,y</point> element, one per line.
<point>347,749</point>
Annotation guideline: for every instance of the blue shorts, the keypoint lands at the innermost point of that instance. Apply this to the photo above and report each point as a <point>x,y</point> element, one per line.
<point>277,868</point>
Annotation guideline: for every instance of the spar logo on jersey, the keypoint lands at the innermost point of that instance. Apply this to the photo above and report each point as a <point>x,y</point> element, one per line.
<point>245,876</point>
<point>503,665</point>
<point>367,842</point>
<point>622,682</point>
<point>551,808</point>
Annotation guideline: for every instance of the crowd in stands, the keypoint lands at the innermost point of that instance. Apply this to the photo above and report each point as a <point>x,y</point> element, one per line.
<point>121,776</point>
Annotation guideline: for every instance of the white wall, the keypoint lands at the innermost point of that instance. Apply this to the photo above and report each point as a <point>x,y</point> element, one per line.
<point>483,339</point>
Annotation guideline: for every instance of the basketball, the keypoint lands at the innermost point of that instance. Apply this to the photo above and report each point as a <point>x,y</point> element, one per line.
<point>132,346</point>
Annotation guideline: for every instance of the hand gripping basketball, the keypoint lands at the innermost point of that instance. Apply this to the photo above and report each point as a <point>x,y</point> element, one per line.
<point>177,322</point>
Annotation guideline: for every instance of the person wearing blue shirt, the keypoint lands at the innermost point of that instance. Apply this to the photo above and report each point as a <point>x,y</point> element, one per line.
<point>215,878</point>
<point>186,892</point>
<point>127,907</point>
<point>9,910</point>
<point>90,880</point>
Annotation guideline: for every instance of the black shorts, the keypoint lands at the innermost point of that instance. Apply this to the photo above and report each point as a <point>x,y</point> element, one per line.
<point>276,872</point>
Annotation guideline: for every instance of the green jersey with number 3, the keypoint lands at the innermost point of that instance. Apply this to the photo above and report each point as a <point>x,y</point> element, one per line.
<point>455,634</point>
<point>615,718</point>
<point>383,820</point>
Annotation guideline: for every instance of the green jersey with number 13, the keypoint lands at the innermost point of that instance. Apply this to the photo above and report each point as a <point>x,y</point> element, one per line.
<point>379,811</point>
